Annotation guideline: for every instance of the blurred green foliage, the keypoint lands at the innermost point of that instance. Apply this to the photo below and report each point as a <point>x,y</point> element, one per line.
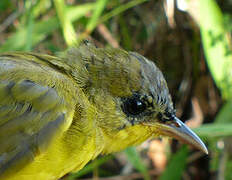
<point>50,26</point>
<point>177,165</point>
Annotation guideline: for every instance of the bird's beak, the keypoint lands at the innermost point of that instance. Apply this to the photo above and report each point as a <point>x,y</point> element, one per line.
<point>177,129</point>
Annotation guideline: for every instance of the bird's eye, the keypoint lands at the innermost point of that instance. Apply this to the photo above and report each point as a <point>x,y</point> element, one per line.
<point>133,106</point>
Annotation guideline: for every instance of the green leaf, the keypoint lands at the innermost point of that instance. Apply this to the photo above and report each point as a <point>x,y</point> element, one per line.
<point>4,4</point>
<point>176,165</point>
<point>93,21</point>
<point>136,161</point>
<point>42,29</point>
<point>217,45</point>
<point>214,130</point>
<point>100,5</point>
<point>29,25</point>
<point>225,114</point>
<point>120,9</point>
<point>222,126</point>
<point>66,24</point>
<point>76,12</point>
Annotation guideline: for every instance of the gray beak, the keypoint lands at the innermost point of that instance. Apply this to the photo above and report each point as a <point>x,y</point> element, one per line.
<point>178,130</point>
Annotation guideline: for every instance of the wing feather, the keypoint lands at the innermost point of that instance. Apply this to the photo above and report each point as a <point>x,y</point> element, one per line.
<point>31,115</point>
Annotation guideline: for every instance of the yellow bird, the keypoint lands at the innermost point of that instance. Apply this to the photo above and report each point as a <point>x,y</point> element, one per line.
<point>58,113</point>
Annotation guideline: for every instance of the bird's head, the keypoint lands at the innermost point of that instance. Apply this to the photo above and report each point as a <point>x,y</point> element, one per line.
<point>131,97</point>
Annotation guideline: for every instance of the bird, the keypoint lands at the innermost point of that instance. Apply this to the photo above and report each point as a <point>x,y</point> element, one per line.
<point>59,112</point>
